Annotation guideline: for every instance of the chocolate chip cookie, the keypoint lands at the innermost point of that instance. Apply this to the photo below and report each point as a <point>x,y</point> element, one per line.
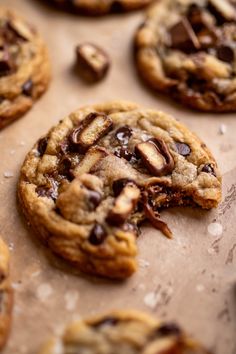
<point>90,182</point>
<point>187,49</point>
<point>24,66</point>
<point>5,294</point>
<point>101,7</point>
<point>126,332</point>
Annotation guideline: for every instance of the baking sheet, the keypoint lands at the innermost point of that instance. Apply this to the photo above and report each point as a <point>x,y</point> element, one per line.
<point>191,278</point>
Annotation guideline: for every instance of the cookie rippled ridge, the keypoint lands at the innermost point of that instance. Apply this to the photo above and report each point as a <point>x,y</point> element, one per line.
<point>126,332</point>
<point>24,66</point>
<point>186,49</point>
<point>90,182</point>
<point>6,294</point>
<point>99,7</point>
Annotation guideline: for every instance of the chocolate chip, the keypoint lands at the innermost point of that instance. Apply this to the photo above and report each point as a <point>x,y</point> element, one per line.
<point>92,62</point>
<point>183,36</point>
<point>119,184</point>
<point>45,191</point>
<point>183,149</point>
<point>42,146</point>
<point>225,53</point>
<point>94,199</point>
<point>97,235</point>
<point>27,88</point>
<point>129,226</point>
<point>208,168</point>
<point>123,152</point>
<point>123,134</point>
<point>6,64</point>
<point>2,99</point>
<point>65,166</point>
<point>168,330</point>
<point>107,321</point>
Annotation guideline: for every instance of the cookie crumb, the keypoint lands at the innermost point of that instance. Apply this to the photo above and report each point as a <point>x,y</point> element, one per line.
<point>215,229</point>
<point>200,288</point>
<point>44,291</point>
<point>151,299</point>
<point>143,263</point>
<point>71,298</point>
<point>222,129</point>
<point>8,174</point>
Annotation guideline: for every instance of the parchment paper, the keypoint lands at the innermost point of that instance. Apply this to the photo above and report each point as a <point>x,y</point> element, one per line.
<point>191,278</point>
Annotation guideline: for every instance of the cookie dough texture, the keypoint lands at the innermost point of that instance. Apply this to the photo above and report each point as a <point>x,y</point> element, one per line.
<point>24,66</point>
<point>86,186</point>
<point>126,332</point>
<point>6,296</point>
<point>102,7</point>
<point>186,49</point>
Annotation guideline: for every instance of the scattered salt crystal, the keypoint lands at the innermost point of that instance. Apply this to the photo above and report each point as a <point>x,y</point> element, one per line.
<point>211,251</point>
<point>200,288</point>
<point>71,298</point>
<point>152,299</point>
<point>35,274</point>
<point>22,143</point>
<point>11,246</point>
<point>142,286</point>
<point>44,291</point>
<point>215,229</point>
<point>12,152</point>
<point>143,263</point>
<point>16,285</point>
<point>222,129</point>
<point>8,174</point>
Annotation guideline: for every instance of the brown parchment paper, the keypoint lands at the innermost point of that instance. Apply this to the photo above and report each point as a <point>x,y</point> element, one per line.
<point>191,278</point>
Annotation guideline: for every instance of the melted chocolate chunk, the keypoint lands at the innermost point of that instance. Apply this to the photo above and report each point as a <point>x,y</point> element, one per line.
<point>94,199</point>
<point>183,36</point>
<point>42,146</point>
<point>27,88</point>
<point>123,152</point>
<point>226,53</point>
<point>116,6</point>
<point>97,235</point>
<point>6,64</point>
<point>168,329</point>
<point>65,166</point>
<point>123,134</point>
<point>208,168</point>
<point>107,321</point>
<point>183,149</point>
<point>119,184</point>
<point>49,191</point>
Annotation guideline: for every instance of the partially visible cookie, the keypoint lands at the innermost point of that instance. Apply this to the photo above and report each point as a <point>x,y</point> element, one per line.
<point>88,184</point>
<point>126,332</point>
<point>24,66</point>
<point>187,50</point>
<point>6,296</point>
<point>102,7</point>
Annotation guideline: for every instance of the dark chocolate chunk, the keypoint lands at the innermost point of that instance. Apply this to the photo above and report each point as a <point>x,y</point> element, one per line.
<point>183,149</point>
<point>65,166</point>
<point>123,152</point>
<point>123,134</point>
<point>97,235</point>
<point>107,321</point>
<point>116,6</point>
<point>42,146</point>
<point>208,168</point>
<point>46,191</point>
<point>119,184</point>
<point>183,36</point>
<point>27,88</point>
<point>168,329</point>
<point>226,53</point>
<point>6,64</point>
<point>94,199</point>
